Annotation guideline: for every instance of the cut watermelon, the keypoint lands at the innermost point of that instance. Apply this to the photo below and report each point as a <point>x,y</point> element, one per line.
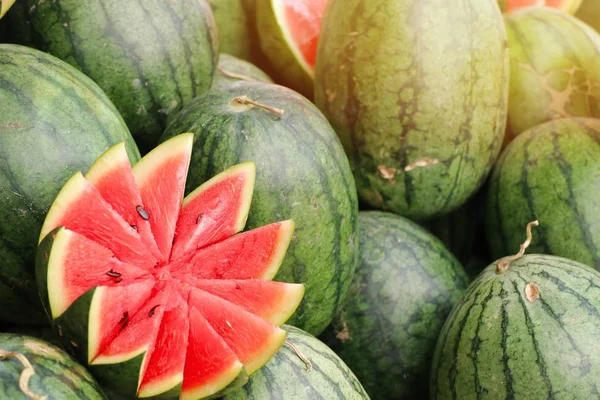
<point>163,293</point>
<point>570,6</point>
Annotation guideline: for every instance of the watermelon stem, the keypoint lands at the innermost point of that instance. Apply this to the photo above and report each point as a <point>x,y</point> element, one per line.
<point>301,356</point>
<point>503,264</point>
<point>246,101</point>
<point>233,75</point>
<point>27,373</point>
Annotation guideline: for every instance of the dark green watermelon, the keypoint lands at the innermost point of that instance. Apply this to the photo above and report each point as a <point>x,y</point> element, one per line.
<point>288,377</point>
<point>54,121</point>
<point>528,333</point>
<point>302,173</point>
<point>233,69</point>
<point>56,376</point>
<point>417,91</point>
<point>406,285</point>
<point>550,173</point>
<point>150,57</point>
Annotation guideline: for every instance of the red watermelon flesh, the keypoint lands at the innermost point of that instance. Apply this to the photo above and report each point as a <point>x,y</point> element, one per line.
<point>303,19</point>
<point>194,342</point>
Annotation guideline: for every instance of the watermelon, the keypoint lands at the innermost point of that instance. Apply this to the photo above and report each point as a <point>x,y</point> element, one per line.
<point>34,369</point>
<point>589,12</point>
<point>406,285</point>
<point>150,57</point>
<point>50,110</point>
<point>526,328</point>
<point>233,69</point>
<point>4,6</point>
<point>160,295</point>
<point>570,6</point>
<point>304,369</point>
<point>423,129</point>
<point>302,174</point>
<point>550,173</point>
<point>288,32</point>
<point>234,23</point>
<point>550,78</point>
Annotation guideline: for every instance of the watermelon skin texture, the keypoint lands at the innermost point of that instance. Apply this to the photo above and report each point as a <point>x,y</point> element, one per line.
<point>53,121</point>
<point>232,64</point>
<point>285,376</point>
<point>302,173</point>
<point>150,57</point>
<point>550,173</point>
<point>234,24</point>
<point>393,105</point>
<point>405,286</point>
<point>57,375</point>
<point>501,341</point>
<point>550,78</point>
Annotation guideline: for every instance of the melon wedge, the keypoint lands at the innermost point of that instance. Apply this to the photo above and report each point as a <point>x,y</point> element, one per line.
<point>179,306</point>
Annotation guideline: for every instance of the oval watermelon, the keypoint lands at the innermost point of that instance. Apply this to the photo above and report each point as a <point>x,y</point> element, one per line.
<point>53,121</point>
<point>527,333</point>
<point>233,69</point>
<point>550,173</point>
<point>421,130</point>
<point>288,376</point>
<point>550,78</point>
<point>150,57</point>
<point>302,173</point>
<point>56,376</point>
<point>406,284</point>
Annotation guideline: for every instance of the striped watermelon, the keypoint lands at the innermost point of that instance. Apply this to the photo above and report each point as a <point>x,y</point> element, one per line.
<point>553,68</point>
<point>550,173</point>
<point>53,121</point>
<point>417,91</point>
<point>304,369</point>
<point>302,173</point>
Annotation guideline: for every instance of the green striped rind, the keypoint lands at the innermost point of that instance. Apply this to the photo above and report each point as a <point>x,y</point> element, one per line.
<point>242,71</point>
<point>553,66</point>
<point>498,344</point>
<point>406,284</point>
<point>57,376</point>
<point>589,12</point>
<point>550,173</point>
<point>233,23</point>
<point>394,100</point>
<point>286,376</point>
<point>54,121</point>
<point>302,174</point>
<point>150,56</point>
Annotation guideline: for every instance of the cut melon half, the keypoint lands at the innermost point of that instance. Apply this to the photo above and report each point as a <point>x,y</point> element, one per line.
<point>168,299</point>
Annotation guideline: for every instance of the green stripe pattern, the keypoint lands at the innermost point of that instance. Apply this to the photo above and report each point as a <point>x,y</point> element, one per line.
<point>549,173</point>
<point>302,174</point>
<point>530,333</point>
<point>54,121</point>
<point>406,285</point>
<point>57,376</point>
<point>149,56</point>
<point>554,70</point>
<point>410,82</point>
<point>286,375</point>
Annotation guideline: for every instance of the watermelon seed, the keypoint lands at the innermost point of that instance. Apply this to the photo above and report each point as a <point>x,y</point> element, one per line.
<point>124,320</point>
<point>238,287</point>
<point>74,344</point>
<point>301,356</point>
<point>113,274</point>
<point>28,372</point>
<point>502,264</point>
<point>152,310</point>
<point>199,218</point>
<point>143,213</point>
<point>134,226</point>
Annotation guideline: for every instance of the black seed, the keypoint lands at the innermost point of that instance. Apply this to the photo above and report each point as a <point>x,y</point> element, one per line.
<point>113,274</point>
<point>118,280</point>
<point>134,226</point>
<point>124,320</point>
<point>238,287</point>
<point>199,218</point>
<point>151,312</point>
<point>143,213</point>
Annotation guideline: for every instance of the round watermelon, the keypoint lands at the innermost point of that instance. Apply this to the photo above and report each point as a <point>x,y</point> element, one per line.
<point>233,69</point>
<point>53,121</point>
<point>54,374</point>
<point>302,173</point>
<point>150,57</point>
<point>304,369</point>
<point>417,91</point>
<point>406,284</point>
<point>549,173</point>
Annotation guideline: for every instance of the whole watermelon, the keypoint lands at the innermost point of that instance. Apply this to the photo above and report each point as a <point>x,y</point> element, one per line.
<point>56,376</point>
<point>417,91</point>
<point>150,57</point>
<point>550,173</point>
<point>233,69</point>
<point>406,284</point>
<point>526,334</point>
<point>54,121</point>
<point>302,173</point>
<point>554,67</point>
<point>288,376</point>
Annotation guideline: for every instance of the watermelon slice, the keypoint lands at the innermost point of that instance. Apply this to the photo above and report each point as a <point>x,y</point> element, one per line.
<point>570,6</point>
<point>163,292</point>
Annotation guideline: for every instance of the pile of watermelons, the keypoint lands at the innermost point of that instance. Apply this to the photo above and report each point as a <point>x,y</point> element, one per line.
<point>299,199</point>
